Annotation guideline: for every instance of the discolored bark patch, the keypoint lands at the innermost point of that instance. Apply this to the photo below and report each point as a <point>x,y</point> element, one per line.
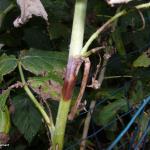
<point>70,77</point>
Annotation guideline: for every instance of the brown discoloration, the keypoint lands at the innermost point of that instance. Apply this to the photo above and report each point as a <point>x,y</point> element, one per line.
<point>74,109</point>
<point>3,138</point>
<point>46,89</point>
<point>70,77</point>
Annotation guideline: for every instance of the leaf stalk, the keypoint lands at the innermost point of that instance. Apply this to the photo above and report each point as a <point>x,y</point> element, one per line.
<point>48,120</point>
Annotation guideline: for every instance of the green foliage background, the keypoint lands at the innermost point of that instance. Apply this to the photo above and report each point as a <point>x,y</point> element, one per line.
<point>42,51</point>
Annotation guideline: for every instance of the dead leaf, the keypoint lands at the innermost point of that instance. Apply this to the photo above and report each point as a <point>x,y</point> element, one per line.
<point>112,2</point>
<point>47,89</point>
<point>28,9</point>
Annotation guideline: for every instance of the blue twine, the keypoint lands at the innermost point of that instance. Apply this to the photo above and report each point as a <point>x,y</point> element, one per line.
<point>145,102</point>
<point>98,131</point>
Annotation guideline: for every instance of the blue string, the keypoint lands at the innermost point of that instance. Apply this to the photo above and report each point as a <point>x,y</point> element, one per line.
<point>145,102</point>
<point>98,131</point>
<point>131,53</point>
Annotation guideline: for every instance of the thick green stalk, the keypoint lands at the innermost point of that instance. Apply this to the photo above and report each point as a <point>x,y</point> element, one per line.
<point>74,62</point>
<point>58,138</point>
<point>48,120</point>
<point>78,28</point>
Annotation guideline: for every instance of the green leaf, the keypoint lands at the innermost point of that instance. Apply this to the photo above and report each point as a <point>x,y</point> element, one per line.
<point>26,117</point>
<point>116,35</point>
<point>4,4</point>
<point>142,61</point>
<point>58,30</point>
<point>41,62</point>
<point>136,93</point>
<point>46,88</point>
<point>32,34</point>
<point>3,98</point>
<point>110,130</point>
<point>142,122</point>
<point>59,14</point>
<point>4,120</point>
<point>7,64</point>
<point>110,135</point>
<point>106,114</point>
<point>108,93</point>
<point>1,78</point>
<point>1,19</point>
<point>136,37</point>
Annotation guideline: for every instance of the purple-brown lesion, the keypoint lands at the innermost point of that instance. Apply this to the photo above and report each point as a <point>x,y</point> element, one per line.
<point>70,77</point>
<point>75,108</point>
<point>3,138</point>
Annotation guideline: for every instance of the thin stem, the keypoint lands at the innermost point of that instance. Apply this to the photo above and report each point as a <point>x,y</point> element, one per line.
<point>9,8</point>
<point>3,14</point>
<point>92,105</point>
<point>143,21</point>
<point>92,51</point>
<point>96,84</point>
<point>114,77</point>
<point>108,24</point>
<point>106,16</point>
<point>36,103</point>
<point>123,125</point>
<point>102,73</point>
<point>102,28</point>
<point>86,125</point>
<point>74,109</point>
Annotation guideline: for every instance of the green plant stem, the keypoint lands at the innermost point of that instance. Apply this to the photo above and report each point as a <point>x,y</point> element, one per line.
<point>78,28</point>
<point>9,8</point>
<point>114,77</point>
<point>74,52</point>
<point>108,23</point>
<point>92,51</point>
<point>48,120</point>
<point>3,14</point>
<point>62,115</point>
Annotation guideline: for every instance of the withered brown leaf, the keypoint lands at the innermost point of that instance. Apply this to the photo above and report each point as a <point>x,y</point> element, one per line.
<point>28,9</point>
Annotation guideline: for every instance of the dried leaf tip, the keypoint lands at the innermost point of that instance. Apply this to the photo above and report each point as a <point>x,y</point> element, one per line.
<point>28,9</point>
<point>113,2</point>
